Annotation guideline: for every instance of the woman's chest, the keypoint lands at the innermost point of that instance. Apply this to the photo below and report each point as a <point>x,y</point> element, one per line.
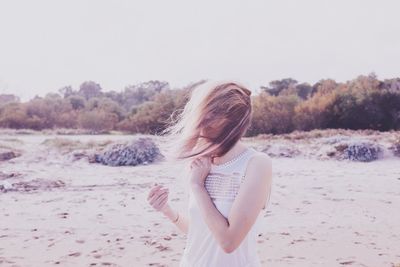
<point>223,186</point>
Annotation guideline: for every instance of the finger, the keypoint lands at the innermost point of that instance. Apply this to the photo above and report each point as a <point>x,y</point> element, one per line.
<point>195,163</point>
<point>154,188</point>
<point>154,199</point>
<point>200,162</point>
<point>205,161</point>
<point>162,191</point>
<point>152,191</point>
<point>159,192</point>
<point>161,202</point>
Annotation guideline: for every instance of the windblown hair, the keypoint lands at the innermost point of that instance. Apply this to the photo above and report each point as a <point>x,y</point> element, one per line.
<point>212,121</point>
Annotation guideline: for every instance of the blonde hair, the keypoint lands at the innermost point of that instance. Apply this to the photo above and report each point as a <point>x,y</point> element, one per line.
<point>216,116</point>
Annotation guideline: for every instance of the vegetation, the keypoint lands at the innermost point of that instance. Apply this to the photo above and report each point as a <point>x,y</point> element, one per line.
<point>282,107</point>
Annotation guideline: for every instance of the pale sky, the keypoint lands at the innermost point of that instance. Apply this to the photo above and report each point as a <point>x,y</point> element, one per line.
<point>48,44</point>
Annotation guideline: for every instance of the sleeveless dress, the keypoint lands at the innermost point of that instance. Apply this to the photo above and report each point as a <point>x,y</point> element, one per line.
<point>202,249</point>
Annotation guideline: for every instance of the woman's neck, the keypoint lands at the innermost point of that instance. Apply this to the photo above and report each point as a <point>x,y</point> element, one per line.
<point>236,150</point>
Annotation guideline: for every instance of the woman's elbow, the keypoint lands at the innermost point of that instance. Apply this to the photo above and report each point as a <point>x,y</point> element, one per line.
<point>228,250</point>
<point>229,247</point>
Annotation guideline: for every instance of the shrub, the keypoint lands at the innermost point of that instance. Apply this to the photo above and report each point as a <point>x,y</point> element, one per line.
<point>7,155</point>
<point>378,110</point>
<point>152,117</point>
<point>273,114</point>
<point>359,150</point>
<point>395,147</point>
<point>14,116</point>
<point>141,151</point>
<point>312,113</point>
<point>76,101</point>
<point>97,120</point>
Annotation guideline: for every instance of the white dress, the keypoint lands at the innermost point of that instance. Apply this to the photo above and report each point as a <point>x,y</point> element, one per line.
<point>202,249</point>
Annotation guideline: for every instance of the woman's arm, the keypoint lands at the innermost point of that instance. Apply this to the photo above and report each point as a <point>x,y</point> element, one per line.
<point>178,218</point>
<point>158,199</point>
<point>253,194</point>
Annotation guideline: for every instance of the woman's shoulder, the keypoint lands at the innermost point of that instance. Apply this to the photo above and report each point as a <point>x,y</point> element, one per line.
<point>259,155</point>
<point>258,161</point>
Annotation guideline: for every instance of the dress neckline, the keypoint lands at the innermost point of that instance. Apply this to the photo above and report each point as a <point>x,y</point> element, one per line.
<point>232,160</point>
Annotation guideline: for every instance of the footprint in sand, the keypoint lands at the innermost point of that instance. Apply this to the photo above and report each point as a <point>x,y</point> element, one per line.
<point>288,257</point>
<point>150,242</point>
<point>144,185</point>
<point>346,262</point>
<point>108,264</point>
<point>63,215</point>
<point>75,254</point>
<point>161,247</point>
<point>294,241</point>
<point>156,264</point>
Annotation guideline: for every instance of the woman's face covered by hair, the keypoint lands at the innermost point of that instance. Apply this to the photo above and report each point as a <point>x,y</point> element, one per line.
<point>225,117</point>
<point>213,120</point>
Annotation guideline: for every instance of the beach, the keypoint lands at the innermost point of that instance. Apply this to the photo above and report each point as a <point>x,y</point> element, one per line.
<point>64,211</point>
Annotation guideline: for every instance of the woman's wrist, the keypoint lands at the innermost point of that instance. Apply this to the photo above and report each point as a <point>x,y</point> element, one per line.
<point>170,213</point>
<point>196,181</point>
<point>197,186</point>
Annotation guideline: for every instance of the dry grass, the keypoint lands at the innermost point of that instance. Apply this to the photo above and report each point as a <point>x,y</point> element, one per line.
<point>5,147</point>
<point>328,143</point>
<point>58,131</point>
<point>10,143</point>
<point>68,145</point>
<point>318,133</point>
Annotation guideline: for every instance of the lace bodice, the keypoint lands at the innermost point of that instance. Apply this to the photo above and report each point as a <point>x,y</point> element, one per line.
<point>223,181</point>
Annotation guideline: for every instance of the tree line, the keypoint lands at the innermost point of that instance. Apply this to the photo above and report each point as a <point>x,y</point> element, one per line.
<point>282,106</point>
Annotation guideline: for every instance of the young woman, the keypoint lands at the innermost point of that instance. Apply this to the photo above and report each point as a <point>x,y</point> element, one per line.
<point>228,183</point>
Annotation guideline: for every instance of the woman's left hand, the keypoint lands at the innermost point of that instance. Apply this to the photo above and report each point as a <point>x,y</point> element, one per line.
<point>199,169</point>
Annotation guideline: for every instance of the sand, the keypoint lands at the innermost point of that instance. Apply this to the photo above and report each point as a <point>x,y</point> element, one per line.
<point>74,213</point>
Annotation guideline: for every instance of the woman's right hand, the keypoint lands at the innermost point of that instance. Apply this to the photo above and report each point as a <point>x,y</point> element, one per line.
<point>158,197</point>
